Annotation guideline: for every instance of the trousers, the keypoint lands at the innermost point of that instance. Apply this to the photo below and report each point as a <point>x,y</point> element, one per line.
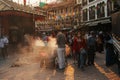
<point>61,57</point>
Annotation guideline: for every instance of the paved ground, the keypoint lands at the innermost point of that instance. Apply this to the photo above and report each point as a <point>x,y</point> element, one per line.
<point>28,68</point>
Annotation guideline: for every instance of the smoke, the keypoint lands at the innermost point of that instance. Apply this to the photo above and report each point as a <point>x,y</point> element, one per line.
<point>39,42</point>
<point>35,51</point>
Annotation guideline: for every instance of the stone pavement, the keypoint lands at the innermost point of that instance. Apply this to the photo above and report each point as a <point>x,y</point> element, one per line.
<point>34,72</point>
<point>29,69</point>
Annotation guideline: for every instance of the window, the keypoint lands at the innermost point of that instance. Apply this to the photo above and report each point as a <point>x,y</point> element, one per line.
<point>116,4</point>
<point>61,10</point>
<point>66,10</point>
<point>54,12</point>
<point>70,9</point>
<point>92,12</point>
<point>78,1</point>
<point>109,7</point>
<point>85,15</point>
<point>91,0</point>
<point>57,12</point>
<point>100,10</point>
<point>84,2</point>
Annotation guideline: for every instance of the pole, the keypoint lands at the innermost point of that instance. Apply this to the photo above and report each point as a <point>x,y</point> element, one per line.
<point>24,2</point>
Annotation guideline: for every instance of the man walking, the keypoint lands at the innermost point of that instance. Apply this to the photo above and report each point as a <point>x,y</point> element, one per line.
<point>61,40</point>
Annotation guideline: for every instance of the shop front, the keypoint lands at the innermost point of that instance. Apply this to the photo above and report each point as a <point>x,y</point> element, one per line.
<point>103,24</point>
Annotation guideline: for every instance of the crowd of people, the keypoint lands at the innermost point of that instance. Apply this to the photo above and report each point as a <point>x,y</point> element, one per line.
<point>84,46</point>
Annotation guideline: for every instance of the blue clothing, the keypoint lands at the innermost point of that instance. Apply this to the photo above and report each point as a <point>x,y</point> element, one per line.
<point>91,43</point>
<point>110,55</point>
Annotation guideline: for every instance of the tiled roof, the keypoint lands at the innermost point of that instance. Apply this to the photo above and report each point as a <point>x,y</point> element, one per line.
<point>18,7</point>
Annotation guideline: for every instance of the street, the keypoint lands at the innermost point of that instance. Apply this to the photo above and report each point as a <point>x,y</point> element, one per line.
<point>26,66</point>
<point>34,32</point>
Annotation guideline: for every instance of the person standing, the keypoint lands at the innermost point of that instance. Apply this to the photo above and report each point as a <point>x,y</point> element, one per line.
<point>109,50</point>
<point>83,53</point>
<point>100,42</point>
<point>3,44</point>
<point>61,41</point>
<point>75,49</point>
<point>91,46</point>
<point>6,41</point>
<point>2,47</point>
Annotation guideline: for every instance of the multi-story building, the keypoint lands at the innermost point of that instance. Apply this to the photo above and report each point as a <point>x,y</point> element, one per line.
<point>64,15</point>
<point>96,14</point>
<point>115,16</point>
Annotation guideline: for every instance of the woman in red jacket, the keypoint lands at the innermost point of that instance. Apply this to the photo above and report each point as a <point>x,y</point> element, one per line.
<point>82,54</point>
<point>75,48</point>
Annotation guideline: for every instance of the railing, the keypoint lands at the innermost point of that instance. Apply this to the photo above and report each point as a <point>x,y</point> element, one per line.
<point>116,44</point>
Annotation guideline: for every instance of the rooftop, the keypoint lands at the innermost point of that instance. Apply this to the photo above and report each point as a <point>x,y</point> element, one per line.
<point>9,5</point>
<point>61,4</point>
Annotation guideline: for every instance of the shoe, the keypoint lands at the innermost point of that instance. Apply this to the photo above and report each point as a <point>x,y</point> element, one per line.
<point>89,64</point>
<point>85,65</point>
<point>82,69</point>
<point>62,69</point>
<point>93,64</point>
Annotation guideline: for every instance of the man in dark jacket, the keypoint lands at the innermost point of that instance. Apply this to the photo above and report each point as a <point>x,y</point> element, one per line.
<point>61,40</point>
<point>91,44</point>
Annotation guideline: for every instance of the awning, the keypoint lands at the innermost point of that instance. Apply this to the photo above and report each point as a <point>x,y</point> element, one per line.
<point>96,22</point>
<point>92,24</point>
<point>45,30</point>
<point>66,28</point>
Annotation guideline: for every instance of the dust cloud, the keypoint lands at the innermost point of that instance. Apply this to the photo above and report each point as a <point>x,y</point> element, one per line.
<point>35,50</point>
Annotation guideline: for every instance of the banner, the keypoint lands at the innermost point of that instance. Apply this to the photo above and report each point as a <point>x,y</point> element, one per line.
<point>42,4</point>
